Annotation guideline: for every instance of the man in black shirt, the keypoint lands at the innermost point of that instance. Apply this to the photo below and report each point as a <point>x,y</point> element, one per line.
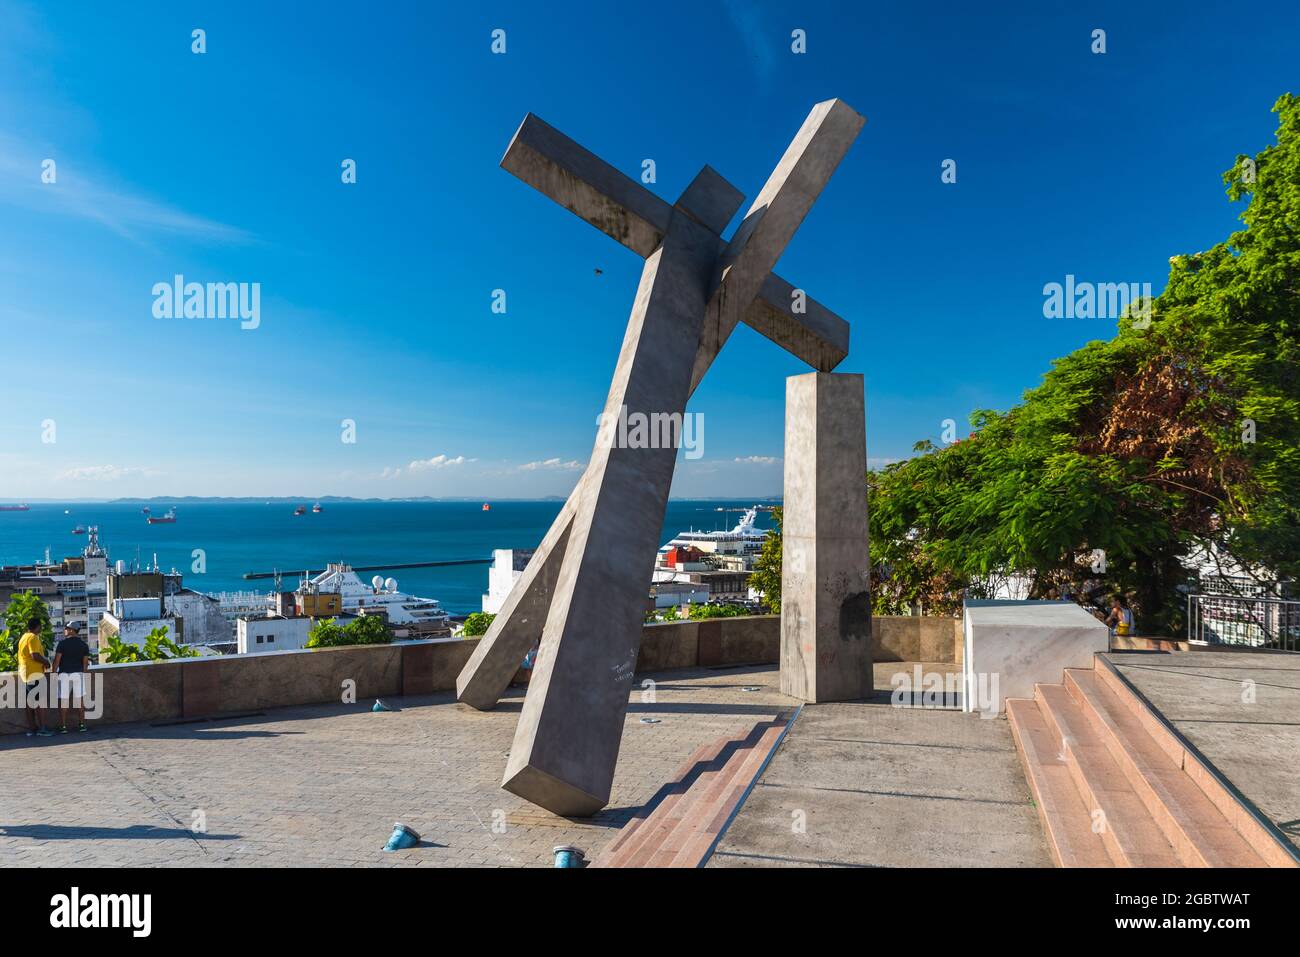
<point>71,662</point>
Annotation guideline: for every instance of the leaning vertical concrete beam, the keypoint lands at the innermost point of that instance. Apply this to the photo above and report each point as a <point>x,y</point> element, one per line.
<point>710,201</point>
<point>825,580</point>
<point>782,204</point>
<point>567,741</point>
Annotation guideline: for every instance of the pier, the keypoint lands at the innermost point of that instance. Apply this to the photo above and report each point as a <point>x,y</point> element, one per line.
<point>249,576</point>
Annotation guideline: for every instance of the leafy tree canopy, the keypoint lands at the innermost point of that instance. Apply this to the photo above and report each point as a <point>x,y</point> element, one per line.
<point>766,577</point>
<point>1181,432</point>
<point>365,630</point>
<point>701,612</point>
<point>477,624</point>
<point>157,647</point>
<point>22,607</point>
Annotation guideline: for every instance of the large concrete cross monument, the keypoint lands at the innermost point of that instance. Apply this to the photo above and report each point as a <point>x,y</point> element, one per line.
<point>584,591</point>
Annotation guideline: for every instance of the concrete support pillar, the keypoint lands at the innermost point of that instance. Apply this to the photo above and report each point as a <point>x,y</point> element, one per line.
<point>825,568</point>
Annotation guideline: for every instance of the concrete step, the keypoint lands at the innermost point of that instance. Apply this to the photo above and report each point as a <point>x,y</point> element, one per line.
<point>692,815</point>
<point>678,830</point>
<point>711,816</point>
<point>1200,835</point>
<point>1131,835</point>
<point>648,828</point>
<point>1064,815</point>
<point>1272,851</point>
<point>629,830</point>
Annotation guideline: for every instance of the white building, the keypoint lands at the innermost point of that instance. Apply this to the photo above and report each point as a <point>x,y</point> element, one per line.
<point>95,570</point>
<point>272,633</point>
<point>507,565</point>
<point>200,617</point>
<point>132,619</point>
<point>675,594</point>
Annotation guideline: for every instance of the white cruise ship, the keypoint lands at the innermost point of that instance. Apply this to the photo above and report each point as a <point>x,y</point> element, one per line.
<point>702,567</point>
<point>402,609</point>
<point>744,540</point>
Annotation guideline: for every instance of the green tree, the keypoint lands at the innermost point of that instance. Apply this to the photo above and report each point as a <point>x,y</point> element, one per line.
<point>1182,432</point>
<point>701,612</point>
<point>365,630</point>
<point>477,624</point>
<point>766,577</point>
<point>157,647</point>
<point>327,633</point>
<point>368,630</point>
<point>22,607</point>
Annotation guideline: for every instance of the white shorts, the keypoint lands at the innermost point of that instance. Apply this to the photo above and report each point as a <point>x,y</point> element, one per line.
<point>71,685</point>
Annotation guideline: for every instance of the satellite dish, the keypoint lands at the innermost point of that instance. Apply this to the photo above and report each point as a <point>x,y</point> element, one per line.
<point>391,584</point>
<point>377,582</point>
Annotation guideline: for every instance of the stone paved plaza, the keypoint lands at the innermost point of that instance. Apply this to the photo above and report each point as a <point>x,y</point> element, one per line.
<point>322,785</point>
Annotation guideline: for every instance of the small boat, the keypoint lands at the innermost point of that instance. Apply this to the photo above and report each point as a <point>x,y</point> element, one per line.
<point>79,530</point>
<point>300,510</point>
<point>166,518</point>
<point>487,507</point>
<point>316,509</point>
<point>145,510</point>
<point>14,508</point>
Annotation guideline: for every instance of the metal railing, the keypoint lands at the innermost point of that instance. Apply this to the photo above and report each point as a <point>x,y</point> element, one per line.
<point>1266,623</point>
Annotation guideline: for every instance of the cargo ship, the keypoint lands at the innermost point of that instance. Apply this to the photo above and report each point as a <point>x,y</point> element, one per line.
<point>14,508</point>
<point>167,518</point>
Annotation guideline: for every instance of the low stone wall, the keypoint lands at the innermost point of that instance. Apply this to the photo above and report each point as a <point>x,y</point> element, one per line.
<point>710,643</point>
<point>917,638</point>
<point>193,688</point>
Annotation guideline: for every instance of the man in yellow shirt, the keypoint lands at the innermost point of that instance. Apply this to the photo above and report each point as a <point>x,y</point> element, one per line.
<point>31,672</point>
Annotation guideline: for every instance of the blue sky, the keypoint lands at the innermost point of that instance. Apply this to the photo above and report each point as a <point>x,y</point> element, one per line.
<point>376,296</point>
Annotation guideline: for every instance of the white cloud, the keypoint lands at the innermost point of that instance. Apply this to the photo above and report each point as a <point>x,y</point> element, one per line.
<point>104,473</point>
<point>554,464</point>
<point>880,462</point>
<point>426,465</point>
<point>75,194</point>
<point>760,460</point>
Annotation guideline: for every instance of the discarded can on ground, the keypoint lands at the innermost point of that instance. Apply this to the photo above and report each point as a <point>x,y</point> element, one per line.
<point>567,855</point>
<point>402,838</point>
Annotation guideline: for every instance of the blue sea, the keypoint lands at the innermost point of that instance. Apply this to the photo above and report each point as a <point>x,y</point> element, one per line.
<point>239,538</point>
